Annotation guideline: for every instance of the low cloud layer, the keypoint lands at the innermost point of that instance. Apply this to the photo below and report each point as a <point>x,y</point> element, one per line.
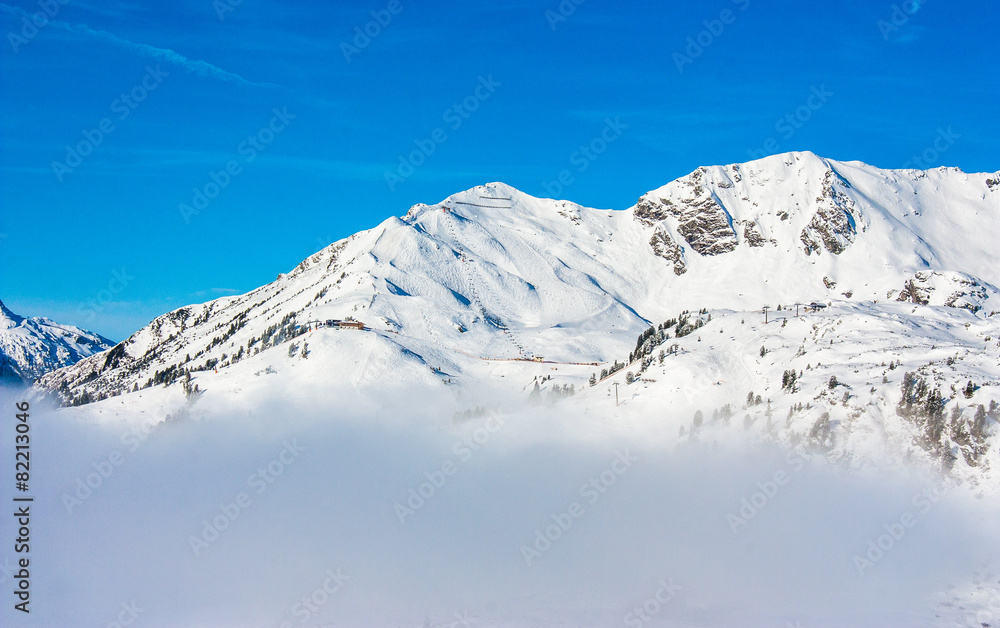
<point>302,517</point>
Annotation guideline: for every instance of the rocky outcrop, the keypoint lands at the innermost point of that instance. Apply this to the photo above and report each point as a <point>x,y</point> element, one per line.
<point>752,236</point>
<point>832,226</point>
<point>664,246</point>
<point>649,212</point>
<point>949,289</point>
<point>701,221</point>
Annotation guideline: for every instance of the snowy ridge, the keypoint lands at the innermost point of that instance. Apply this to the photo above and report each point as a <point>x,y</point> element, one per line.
<point>494,286</point>
<point>32,347</point>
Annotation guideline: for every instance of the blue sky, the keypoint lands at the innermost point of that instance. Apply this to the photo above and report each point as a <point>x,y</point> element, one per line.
<point>100,241</point>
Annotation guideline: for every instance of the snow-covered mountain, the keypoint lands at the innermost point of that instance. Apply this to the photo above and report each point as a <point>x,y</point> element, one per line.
<point>493,285</point>
<point>32,347</point>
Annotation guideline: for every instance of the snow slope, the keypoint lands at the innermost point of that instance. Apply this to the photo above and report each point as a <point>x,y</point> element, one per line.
<point>32,347</point>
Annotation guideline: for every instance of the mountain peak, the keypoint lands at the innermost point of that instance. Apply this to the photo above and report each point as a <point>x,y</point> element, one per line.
<point>494,195</point>
<point>780,160</point>
<point>490,195</point>
<point>10,318</point>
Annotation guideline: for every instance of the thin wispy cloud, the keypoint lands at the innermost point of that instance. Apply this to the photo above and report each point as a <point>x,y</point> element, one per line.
<point>194,66</point>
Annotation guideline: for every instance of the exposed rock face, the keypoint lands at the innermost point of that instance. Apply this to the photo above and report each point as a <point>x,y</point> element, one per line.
<point>703,223</point>
<point>752,236</point>
<point>649,212</point>
<point>832,226</point>
<point>950,289</point>
<point>665,247</point>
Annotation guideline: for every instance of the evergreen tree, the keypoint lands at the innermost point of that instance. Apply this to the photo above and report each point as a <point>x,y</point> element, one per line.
<point>970,390</point>
<point>536,395</point>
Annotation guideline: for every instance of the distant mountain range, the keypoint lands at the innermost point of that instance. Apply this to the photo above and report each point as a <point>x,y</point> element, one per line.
<point>32,347</point>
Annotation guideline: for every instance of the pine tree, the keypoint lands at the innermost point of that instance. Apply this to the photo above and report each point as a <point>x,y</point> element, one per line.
<point>536,395</point>
<point>970,390</point>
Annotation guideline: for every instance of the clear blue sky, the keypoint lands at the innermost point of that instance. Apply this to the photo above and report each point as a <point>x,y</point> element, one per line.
<point>552,84</point>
